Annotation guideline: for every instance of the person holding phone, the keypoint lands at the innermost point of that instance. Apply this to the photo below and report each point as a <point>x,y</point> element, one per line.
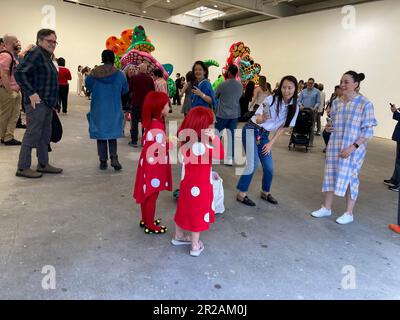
<point>353,121</point>
<point>394,181</point>
<point>276,113</point>
<point>202,91</point>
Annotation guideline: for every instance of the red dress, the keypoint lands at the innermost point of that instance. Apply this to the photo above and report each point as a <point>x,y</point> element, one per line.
<point>195,210</point>
<point>154,168</point>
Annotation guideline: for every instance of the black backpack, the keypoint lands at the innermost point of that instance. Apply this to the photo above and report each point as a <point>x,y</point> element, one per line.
<point>12,65</point>
<point>56,128</point>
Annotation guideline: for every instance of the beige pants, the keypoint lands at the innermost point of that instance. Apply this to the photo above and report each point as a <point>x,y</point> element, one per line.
<point>10,106</point>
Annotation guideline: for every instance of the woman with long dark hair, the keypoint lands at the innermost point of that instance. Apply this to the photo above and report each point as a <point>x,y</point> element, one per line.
<point>276,113</point>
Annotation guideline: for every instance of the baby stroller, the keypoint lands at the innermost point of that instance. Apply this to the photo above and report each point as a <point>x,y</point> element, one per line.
<point>301,131</point>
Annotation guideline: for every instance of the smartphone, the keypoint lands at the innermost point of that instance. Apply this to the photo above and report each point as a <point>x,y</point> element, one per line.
<point>266,110</point>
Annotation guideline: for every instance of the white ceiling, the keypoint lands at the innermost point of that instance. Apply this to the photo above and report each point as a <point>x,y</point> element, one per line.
<point>233,12</point>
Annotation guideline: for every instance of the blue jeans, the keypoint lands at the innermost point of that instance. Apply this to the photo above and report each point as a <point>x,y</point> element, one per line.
<point>252,157</point>
<point>231,125</point>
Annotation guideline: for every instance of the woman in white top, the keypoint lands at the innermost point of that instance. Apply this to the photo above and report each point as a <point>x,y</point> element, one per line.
<point>260,93</point>
<point>276,113</point>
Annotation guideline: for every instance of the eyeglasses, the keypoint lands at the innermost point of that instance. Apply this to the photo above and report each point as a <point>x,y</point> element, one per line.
<point>51,41</point>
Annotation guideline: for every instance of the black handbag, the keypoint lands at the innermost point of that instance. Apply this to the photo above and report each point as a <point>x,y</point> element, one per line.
<point>56,128</point>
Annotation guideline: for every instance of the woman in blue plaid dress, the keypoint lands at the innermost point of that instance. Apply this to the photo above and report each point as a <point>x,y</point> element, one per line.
<point>352,126</point>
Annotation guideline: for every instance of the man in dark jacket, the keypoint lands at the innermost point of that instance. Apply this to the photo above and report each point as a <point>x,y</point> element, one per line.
<point>179,86</point>
<point>394,181</point>
<point>38,78</point>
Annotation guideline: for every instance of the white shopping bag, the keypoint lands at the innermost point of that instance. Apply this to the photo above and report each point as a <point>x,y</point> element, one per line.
<point>218,189</point>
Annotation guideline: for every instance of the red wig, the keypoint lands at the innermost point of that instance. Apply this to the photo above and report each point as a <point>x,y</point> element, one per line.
<point>153,105</point>
<point>198,119</point>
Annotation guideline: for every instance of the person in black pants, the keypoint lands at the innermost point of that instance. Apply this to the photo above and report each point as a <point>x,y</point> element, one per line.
<point>178,84</point>
<point>64,75</point>
<point>394,181</point>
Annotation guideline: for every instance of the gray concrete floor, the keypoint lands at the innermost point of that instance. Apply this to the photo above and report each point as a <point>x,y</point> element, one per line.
<point>85,224</point>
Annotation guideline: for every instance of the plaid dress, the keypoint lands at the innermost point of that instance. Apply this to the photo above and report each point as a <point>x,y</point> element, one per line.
<point>351,121</point>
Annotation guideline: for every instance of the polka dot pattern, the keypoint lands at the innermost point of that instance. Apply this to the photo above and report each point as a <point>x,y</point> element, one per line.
<point>195,191</point>
<point>150,136</point>
<point>207,217</point>
<point>198,149</point>
<point>155,183</point>
<point>159,138</point>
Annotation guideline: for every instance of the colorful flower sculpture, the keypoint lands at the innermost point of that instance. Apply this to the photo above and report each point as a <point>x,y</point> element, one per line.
<point>240,56</point>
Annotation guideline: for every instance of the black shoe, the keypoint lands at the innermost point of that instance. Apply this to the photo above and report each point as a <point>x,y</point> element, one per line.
<point>157,222</point>
<point>163,230</point>
<point>21,126</point>
<point>395,188</point>
<point>246,201</point>
<point>135,145</point>
<point>103,164</point>
<point>317,134</point>
<point>2,141</point>
<point>269,198</point>
<point>115,163</point>
<point>12,142</point>
<point>389,183</point>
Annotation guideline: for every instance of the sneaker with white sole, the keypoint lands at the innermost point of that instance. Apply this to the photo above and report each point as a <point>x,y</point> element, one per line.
<point>196,253</point>
<point>323,212</point>
<point>345,218</point>
<point>180,242</point>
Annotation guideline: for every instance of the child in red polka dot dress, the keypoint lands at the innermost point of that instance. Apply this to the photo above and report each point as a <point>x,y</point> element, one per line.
<point>195,209</point>
<point>154,168</point>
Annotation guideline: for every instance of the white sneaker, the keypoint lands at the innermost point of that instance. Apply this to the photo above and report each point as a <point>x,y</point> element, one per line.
<point>228,162</point>
<point>323,212</point>
<point>345,218</point>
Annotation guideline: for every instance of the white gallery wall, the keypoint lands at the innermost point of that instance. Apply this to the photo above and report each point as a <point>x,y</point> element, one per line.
<point>82,32</point>
<point>316,45</point>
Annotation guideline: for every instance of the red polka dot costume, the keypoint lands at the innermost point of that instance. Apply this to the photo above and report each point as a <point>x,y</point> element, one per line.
<point>154,171</point>
<point>195,210</point>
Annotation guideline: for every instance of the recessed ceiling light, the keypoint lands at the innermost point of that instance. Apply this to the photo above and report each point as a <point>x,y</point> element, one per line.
<point>168,1</point>
<point>144,11</point>
<point>215,6</point>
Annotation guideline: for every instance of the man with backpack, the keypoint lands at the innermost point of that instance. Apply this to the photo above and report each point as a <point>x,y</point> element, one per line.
<point>10,93</point>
